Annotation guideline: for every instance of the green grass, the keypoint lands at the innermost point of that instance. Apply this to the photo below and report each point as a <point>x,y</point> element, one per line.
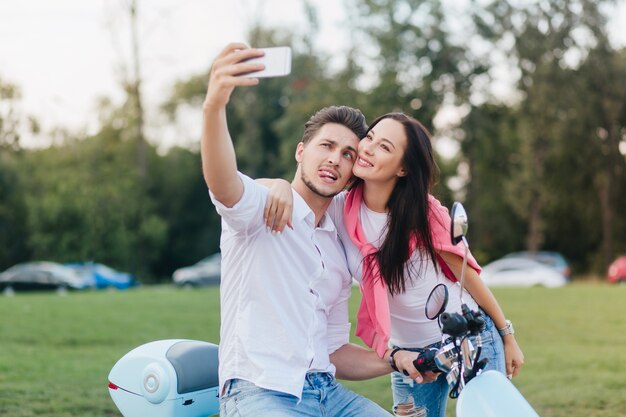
<point>56,351</point>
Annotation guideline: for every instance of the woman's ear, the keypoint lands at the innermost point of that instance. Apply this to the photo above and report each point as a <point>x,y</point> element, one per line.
<point>401,172</point>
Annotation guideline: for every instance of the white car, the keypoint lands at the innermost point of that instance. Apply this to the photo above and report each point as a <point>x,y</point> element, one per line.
<point>205,272</point>
<point>519,272</point>
<point>41,276</point>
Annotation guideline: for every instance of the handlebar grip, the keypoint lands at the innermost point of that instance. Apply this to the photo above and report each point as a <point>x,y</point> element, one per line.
<point>453,324</point>
<point>477,324</point>
<point>426,361</point>
<point>475,320</point>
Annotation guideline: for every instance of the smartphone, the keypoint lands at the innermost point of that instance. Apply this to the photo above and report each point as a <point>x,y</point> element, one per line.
<point>277,61</point>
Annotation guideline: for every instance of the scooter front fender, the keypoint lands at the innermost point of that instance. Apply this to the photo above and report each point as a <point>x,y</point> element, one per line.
<point>491,394</point>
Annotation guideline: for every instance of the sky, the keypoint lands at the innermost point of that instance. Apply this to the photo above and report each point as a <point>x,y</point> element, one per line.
<point>64,54</point>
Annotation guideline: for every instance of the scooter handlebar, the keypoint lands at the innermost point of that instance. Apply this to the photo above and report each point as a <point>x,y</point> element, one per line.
<point>426,361</point>
<point>453,324</point>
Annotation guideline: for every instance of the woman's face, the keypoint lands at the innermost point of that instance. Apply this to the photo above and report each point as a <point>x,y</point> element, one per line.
<point>381,152</point>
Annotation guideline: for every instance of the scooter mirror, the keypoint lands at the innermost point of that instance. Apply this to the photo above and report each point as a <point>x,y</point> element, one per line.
<point>436,302</point>
<point>458,228</point>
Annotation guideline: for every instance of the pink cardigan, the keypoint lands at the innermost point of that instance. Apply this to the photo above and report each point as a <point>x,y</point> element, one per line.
<point>373,320</point>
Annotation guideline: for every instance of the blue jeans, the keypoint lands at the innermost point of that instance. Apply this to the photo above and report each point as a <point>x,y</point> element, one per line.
<point>434,395</point>
<point>322,396</point>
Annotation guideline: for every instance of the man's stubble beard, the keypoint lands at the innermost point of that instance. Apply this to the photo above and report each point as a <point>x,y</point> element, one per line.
<point>314,189</point>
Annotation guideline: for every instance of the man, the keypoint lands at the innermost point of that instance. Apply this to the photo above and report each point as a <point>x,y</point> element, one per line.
<point>284,297</point>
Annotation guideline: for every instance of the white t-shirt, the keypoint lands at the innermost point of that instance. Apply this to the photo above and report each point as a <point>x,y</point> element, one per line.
<point>409,325</point>
<point>284,298</point>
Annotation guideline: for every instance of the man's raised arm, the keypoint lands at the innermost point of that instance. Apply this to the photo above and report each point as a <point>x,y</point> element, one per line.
<point>219,164</point>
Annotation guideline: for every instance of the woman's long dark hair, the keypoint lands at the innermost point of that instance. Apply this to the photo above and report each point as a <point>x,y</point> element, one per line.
<point>408,207</point>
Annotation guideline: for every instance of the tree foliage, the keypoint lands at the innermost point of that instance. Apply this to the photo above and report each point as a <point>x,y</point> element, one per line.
<point>12,205</point>
<point>544,170</point>
<point>571,97</point>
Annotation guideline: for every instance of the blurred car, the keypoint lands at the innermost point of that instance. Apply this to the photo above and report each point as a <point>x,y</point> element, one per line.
<point>550,259</point>
<point>520,272</point>
<point>41,276</point>
<point>101,276</point>
<point>205,272</point>
<point>617,271</point>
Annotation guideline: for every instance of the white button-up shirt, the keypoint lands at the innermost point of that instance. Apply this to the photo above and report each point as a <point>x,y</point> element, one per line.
<point>284,298</point>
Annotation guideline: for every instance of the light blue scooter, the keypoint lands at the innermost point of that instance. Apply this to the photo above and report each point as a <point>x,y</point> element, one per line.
<point>480,394</point>
<point>167,378</point>
<point>178,378</point>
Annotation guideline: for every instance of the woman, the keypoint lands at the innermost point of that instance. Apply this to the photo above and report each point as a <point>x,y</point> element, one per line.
<point>396,235</point>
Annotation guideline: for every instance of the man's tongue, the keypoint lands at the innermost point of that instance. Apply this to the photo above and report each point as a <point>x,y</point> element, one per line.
<point>327,176</point>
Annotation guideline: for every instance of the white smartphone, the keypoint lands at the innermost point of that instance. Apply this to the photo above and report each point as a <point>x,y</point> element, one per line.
<point>277,61</point>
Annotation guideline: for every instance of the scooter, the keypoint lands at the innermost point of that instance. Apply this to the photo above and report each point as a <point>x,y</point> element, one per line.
<point>167,378</point>
<point>179,377</point>
<point>479,393</point>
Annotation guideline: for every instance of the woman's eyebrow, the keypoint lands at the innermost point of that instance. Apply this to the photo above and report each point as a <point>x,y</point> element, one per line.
<point>389,142</point>
<point>383,139</point>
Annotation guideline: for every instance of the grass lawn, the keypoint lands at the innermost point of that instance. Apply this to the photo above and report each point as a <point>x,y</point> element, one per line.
<point>56,351</point>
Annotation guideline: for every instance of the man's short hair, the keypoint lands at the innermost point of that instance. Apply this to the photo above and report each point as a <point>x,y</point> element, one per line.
<point>349,117</point>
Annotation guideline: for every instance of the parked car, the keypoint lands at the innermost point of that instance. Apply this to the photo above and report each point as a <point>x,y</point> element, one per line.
<point>101,276</point>
<point>41,276</point>
<point>205,272</point>
<point>550,259</point>
<point>617,271</point>
<point>520,272</point>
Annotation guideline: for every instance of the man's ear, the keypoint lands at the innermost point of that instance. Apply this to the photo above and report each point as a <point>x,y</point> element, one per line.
<point>299,151</point>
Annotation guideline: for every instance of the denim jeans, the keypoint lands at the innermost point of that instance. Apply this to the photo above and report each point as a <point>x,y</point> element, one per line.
<point>434,395</point>
<point>322,396</point>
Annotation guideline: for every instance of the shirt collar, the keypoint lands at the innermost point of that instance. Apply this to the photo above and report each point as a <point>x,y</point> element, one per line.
<point>302,211</point>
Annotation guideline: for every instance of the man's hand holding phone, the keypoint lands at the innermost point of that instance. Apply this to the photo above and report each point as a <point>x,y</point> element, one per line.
<point>239,65</point>
<point>226,71</point>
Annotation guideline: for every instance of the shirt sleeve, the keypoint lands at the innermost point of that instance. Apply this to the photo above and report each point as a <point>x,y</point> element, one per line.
<point>338,323</point>
<point>353,254</point>
<point>247,213</point>
<point>335,208</point>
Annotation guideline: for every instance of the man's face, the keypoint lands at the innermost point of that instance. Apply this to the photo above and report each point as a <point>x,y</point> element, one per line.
<point>325,162</point>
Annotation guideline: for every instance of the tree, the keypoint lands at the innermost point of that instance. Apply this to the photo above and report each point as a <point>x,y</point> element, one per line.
<point>182,201</point>
<point>12,212</point>
<point>415,62</point>
<point>132,81</point>
<point>543,40</point>
<point>10,119</point>
<point>84,199</point>
<point>490,151</point>
<point>591,163</point>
